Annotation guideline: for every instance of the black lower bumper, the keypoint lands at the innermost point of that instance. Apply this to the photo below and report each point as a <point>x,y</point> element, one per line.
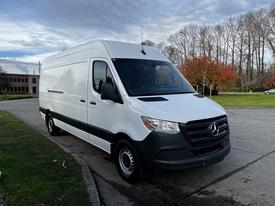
<point>172,151</point>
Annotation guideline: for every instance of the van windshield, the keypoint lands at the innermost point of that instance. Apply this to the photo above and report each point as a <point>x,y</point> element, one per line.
<point>149,77</point>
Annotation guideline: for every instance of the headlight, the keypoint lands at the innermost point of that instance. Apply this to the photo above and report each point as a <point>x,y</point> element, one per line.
<point>161,125</point>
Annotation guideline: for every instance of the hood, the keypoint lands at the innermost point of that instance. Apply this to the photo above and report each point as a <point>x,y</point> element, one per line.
<point>178,108</point>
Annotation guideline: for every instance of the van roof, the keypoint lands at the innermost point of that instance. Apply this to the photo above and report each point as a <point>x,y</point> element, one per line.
<point>132,51</point>
<point>110,49</point>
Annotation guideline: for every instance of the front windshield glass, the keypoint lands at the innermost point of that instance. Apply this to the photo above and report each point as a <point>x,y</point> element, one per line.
<point>149,77</point>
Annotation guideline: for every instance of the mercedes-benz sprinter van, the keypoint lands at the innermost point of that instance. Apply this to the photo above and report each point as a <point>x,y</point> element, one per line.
<point>131,102</point>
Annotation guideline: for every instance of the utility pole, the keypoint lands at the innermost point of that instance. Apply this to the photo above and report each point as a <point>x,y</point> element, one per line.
<point>39,67</point>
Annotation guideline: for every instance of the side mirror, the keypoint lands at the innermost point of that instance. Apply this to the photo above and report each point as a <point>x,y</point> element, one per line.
<point>109,92</point>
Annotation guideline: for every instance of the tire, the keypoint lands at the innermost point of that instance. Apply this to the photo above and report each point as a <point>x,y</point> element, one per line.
<point>52,129</point>
<point>127,161</point>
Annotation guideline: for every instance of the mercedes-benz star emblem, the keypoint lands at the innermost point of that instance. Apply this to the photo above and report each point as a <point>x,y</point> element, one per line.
<point>214,129</point>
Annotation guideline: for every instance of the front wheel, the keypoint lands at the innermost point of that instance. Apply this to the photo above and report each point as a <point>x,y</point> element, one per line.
<point>127,161</point>
<point>52,129</point>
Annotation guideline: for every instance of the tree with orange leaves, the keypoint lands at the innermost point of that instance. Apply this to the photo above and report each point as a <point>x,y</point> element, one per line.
<point>270,81</point>
<point>228,76</point>
<point>204,71</point>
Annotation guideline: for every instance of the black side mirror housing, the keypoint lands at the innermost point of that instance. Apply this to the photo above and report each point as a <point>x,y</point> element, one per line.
<point>109,92</point>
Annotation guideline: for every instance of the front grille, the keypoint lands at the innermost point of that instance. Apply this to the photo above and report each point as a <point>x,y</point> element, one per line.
<point>198,133</point>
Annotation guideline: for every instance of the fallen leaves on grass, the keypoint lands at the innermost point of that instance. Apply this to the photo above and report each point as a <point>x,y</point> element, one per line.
<point>63,163</point>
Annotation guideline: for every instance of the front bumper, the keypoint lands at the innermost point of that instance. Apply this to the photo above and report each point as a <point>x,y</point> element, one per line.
<point>173,151</point>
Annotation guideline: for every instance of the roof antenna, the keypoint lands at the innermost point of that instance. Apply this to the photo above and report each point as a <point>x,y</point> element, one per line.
<point>142,43</point>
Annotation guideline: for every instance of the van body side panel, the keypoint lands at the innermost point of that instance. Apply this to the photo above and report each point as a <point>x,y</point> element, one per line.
<point>63,91</point>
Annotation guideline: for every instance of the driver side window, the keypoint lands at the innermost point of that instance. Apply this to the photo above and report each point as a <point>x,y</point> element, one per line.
<point>101,74</point>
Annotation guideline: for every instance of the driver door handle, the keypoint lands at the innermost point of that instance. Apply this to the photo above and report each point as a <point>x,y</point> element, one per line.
<point>93,102</point>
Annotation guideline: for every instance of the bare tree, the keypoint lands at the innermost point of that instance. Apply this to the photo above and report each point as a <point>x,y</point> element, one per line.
<point>148,43</point>
<point>242,41</point>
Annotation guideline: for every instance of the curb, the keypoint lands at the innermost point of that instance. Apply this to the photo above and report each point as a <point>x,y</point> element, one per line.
<point>89,180</point>
<point>86,173</point>
<point>94,199</point>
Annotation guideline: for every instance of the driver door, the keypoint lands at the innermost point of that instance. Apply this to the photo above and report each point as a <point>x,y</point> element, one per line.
<point>101,113</point>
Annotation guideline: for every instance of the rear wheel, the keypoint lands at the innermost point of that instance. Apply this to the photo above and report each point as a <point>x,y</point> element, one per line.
<point>52,129</point>
<point>127,161</point>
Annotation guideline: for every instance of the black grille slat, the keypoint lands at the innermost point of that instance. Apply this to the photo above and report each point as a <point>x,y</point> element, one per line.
<point>193,126</point>
<point>205,139</point>
<point>208,138</point>
<point>198,133</point>
<point>223,126</point>
<point>222,120</point>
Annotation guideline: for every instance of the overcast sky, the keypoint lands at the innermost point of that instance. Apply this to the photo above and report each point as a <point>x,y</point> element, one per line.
<point>33,29</point>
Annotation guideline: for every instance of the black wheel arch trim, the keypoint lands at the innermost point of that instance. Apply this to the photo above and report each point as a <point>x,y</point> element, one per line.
<point>43,110</point>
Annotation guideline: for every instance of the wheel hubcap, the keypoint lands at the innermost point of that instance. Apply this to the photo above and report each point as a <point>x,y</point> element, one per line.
<point>126,161</point>
<point>50,125</point>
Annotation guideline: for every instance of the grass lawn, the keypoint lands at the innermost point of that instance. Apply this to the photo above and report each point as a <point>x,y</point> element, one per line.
<point>4,97</point>
<point>245,100</point>
<point>32,168</point>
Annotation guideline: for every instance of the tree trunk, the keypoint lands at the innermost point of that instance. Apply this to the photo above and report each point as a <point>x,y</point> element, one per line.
<point>263,54</point>
<point>248,62</point>
<point>233,53</point>
<point>209,50</point>
<point>210,91</point>
<point>271,45</point>
<point>240,67</point>
<point>217,54</point>
<point>226,53</point>
<point>252,67</point>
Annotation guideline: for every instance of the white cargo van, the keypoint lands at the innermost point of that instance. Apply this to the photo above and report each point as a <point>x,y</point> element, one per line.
<point>134,104</point>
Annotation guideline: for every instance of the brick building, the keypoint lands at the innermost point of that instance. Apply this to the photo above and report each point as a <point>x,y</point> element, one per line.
<point>19,77</point>
<point>19,84</point>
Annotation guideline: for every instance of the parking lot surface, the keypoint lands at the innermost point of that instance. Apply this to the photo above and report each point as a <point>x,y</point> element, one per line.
<point>245,177</point>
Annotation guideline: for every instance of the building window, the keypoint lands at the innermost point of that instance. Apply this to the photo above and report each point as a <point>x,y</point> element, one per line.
<point>15,80</point>
<point>10,79</point>
<point>27,89</point>
<point>19,89</point>
<point>34,80</point>
<point>26,80</point>
<point>15,89</point>
<point>34,90</point>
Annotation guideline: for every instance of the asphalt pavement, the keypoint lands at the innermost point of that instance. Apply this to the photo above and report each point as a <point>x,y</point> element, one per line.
<point>244,177</point>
